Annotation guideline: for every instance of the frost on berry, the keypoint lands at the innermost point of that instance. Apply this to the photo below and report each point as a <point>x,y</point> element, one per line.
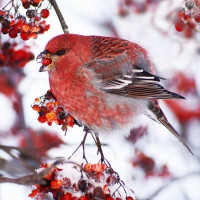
<point>137,7</point>
<point>79,182</point>
<point>187,19</point>
<point>13,23</point>
<point>50,111</point>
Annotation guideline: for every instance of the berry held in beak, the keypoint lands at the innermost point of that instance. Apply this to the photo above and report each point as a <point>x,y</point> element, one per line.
<point>45,58</point>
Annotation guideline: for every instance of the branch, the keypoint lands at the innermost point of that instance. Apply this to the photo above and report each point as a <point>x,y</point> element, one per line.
<point>60,16</point>
<point>36,178</point>
<point>169,183</point>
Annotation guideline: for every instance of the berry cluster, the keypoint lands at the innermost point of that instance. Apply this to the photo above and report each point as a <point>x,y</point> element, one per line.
<point>50,111</point>
<point>136,6</point>
<point>12,57</point>
<point>96,182</point>
<point>28,26</point>
<point>148,166</point>
<point>188,18</point>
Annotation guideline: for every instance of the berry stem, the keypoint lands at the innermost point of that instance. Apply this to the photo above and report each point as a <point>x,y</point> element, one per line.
<point>60,16</point>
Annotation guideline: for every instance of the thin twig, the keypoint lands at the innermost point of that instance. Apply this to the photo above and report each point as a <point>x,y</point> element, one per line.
<point>169,183</point>
<point>60,16</point>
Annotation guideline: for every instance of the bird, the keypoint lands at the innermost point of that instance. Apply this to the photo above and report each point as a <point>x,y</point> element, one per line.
<point>105,82</point>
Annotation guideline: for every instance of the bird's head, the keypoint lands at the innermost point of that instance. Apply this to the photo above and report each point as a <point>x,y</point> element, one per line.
<point>55,50</point>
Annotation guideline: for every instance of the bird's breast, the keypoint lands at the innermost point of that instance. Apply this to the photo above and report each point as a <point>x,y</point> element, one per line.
<point>81,97</point>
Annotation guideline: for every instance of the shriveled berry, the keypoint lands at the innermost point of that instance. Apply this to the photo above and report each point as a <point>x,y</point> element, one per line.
<point>31,13</point>
<point>189,4</point>
<point>82,185</point>
<point>5,23</point>
<point>66,182</point>
<point>98,192</point>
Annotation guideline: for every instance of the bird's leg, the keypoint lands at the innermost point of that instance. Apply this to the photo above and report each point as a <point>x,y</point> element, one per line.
<point>83,145</point>
<point>98,144</point>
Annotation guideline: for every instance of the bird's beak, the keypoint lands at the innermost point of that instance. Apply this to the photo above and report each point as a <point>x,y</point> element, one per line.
<point>46,60</point>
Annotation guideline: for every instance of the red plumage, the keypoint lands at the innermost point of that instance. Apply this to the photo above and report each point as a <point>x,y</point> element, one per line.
<point>105,82</point>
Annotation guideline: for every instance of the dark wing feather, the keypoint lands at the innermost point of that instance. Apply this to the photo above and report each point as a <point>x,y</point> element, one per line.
<point>139,84</point>
<point>122,75</point>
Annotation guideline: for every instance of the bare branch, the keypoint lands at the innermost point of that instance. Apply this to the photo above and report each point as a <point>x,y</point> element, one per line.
<point>60,16</point>
<point>169,183</point>
<point>35,178</point>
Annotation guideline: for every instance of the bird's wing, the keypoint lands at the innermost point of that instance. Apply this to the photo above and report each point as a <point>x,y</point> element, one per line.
<point>118,74</point>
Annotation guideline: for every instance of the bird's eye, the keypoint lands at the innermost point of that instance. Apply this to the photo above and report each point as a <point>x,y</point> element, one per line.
<point>60,52</point>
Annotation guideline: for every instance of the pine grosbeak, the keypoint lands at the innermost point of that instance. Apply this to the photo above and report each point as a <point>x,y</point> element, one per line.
<point>105,82</point>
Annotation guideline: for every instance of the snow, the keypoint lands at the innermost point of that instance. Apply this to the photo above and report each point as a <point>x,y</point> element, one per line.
<point>168,52</point>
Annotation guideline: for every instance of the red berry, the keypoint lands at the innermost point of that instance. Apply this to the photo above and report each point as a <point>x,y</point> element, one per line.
<point>47,27</point>
<point>19,24</point>
<point>109,198</point>
<point>36,108</point>
<point>129,198</point>
<point>67,196</point>
<point>32,35</point>
<point>42,119</point>
<point>56,184</point>
<point>180,14</point>
<point>5,30</point>
<point>13,34</point>
<point>2,13</point>
<point>37,1</point>
<point>191,25</point>
<point>26,5</point>
<point>197,18</point>
<point>82,198</point>
<point>35,29</point>
<point>24,36</point>
<point>26,27</point>
<point>106,190</point>
<point>46,61</point>
<point>44,13</point>
<point>188,33</point>
<point>179,25</point>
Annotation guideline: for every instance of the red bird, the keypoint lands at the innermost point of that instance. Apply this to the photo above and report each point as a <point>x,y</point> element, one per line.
<point>105,82</point>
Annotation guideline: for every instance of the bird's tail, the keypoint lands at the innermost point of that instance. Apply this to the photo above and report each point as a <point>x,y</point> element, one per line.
<point>160,116</point>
